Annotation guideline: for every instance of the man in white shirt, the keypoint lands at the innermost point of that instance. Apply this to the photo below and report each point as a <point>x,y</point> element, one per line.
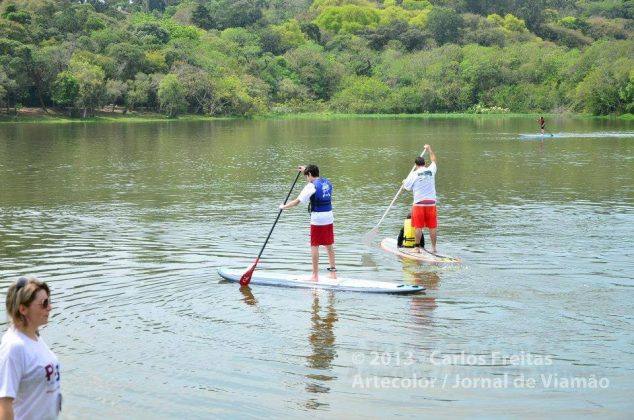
<point>422,182</point>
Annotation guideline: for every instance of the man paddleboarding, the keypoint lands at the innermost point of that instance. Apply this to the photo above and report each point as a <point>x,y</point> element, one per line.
<point>319,192</point>
<point>422,182</point>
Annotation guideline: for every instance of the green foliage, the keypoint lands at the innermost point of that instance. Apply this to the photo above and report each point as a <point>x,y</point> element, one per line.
<point>317,72</point>
<point>92,85</point>
<point>508,23</point>
<point>607,8</point>
<point>607,89</point>
<point>171,96</point>
<point>348,19</point>
<point>445,25</point>
<point>242,57</point>
<point>570,37</point>
<point>290,33</point>
<point>202,18</point>
<point>236,13</point>
<point>480,30</point>
<point>129,59</point>
<point>65,89</point>
<point>320,5</point>
<point>362,95</point>
<point>238,97</point>
<point>116,91</point>
<point>150,33</point>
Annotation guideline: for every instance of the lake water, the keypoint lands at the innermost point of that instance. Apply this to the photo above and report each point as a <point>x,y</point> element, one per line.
<point>128,223</point>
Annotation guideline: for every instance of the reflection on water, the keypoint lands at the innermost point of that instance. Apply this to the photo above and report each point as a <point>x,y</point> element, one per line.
<point>422,306</point>
<point>129,224</point>
<point>249,299</point>
<point>322,345</point>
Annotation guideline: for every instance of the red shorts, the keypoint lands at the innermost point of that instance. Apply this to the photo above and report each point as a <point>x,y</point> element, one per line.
<point>424,217</point>
<point>322,235</point>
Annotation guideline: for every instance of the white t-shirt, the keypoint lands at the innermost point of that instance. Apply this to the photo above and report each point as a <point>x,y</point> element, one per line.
<point>423,183</point>
<point>318,218</point>
<point>29,373</point>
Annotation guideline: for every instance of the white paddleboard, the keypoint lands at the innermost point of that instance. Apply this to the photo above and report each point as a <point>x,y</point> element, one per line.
<point>390,245</point>
<point>536,136</point>
<point>303,281</point>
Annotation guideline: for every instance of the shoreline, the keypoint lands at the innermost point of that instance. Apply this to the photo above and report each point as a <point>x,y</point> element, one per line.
<point>37,115</point>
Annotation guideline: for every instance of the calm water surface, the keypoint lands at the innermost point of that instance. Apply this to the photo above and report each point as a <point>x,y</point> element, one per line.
<point>129,223</point>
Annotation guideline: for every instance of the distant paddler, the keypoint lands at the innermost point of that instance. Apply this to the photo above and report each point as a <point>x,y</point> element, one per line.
<point>542,124</point>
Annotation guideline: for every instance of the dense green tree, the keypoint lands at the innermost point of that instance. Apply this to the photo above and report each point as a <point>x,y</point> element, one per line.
<point>354,54</point>
<point>362,95</point>
<point>92,85</point>
<point>171,96</point>
<point>129,59</point>
<point>348,18</point>
<point>569,37</point>
<point>198,87</point>
<point>43,66</point>
<point>482,31</point>
<point>202,18</point>
<point>320,75</point>
<point>236,13</point>
<point>65,90</point>
<point>273,70</point>
<point>150,33</point>
<point>604,89</point>
<point>116,91</point>
<point>445,25</point>
<point>139,91</point>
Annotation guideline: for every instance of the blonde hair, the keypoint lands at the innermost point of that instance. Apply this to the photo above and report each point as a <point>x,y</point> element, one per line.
<point>22,292</point>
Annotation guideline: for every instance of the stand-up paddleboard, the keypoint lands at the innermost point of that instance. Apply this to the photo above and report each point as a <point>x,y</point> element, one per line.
<point>303,281</point>
<point>390,245</point>
<point>536,136</point>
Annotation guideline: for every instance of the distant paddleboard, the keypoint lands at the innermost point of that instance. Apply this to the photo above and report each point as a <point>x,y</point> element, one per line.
<point>536,136</point>
<point>303,281</point>
<point>591,135</point>
<point>390,245</point>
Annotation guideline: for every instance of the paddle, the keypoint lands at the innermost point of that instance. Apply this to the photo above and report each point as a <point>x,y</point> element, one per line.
<point>369,237</point>
<point>246,277</point>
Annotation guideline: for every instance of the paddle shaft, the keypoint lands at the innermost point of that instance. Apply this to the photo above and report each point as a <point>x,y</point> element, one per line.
<point>396,196</point>
<point>278,216</point>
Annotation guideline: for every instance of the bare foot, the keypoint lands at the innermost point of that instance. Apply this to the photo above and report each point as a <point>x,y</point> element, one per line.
<point>332,275</point>
<point>314,278</point>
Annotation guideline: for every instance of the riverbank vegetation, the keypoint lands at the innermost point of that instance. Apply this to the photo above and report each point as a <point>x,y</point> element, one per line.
<point>255,57</point>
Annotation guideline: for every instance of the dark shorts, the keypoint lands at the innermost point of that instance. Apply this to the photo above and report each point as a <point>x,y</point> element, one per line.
<point>322,235</point>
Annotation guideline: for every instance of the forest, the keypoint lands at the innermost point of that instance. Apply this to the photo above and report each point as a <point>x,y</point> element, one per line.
<point>255,57</point>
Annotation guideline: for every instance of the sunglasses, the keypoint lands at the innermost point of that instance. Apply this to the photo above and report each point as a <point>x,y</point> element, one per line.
<point>45,303</point>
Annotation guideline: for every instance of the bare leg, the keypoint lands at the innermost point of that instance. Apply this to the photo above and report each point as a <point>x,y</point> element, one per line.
<point>314,253</point>
<point>331,259</point>
<point>432,236</point>
<point>418,235</point>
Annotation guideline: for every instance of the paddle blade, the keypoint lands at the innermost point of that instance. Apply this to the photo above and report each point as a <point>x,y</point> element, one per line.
<point>246,277</point>
<point>369,237</point>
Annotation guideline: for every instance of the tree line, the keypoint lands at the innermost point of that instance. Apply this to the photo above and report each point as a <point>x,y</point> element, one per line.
<point>248,57</point>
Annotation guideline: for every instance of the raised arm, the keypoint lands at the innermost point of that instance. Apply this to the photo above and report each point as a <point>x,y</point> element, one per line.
<point>432,155</point>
